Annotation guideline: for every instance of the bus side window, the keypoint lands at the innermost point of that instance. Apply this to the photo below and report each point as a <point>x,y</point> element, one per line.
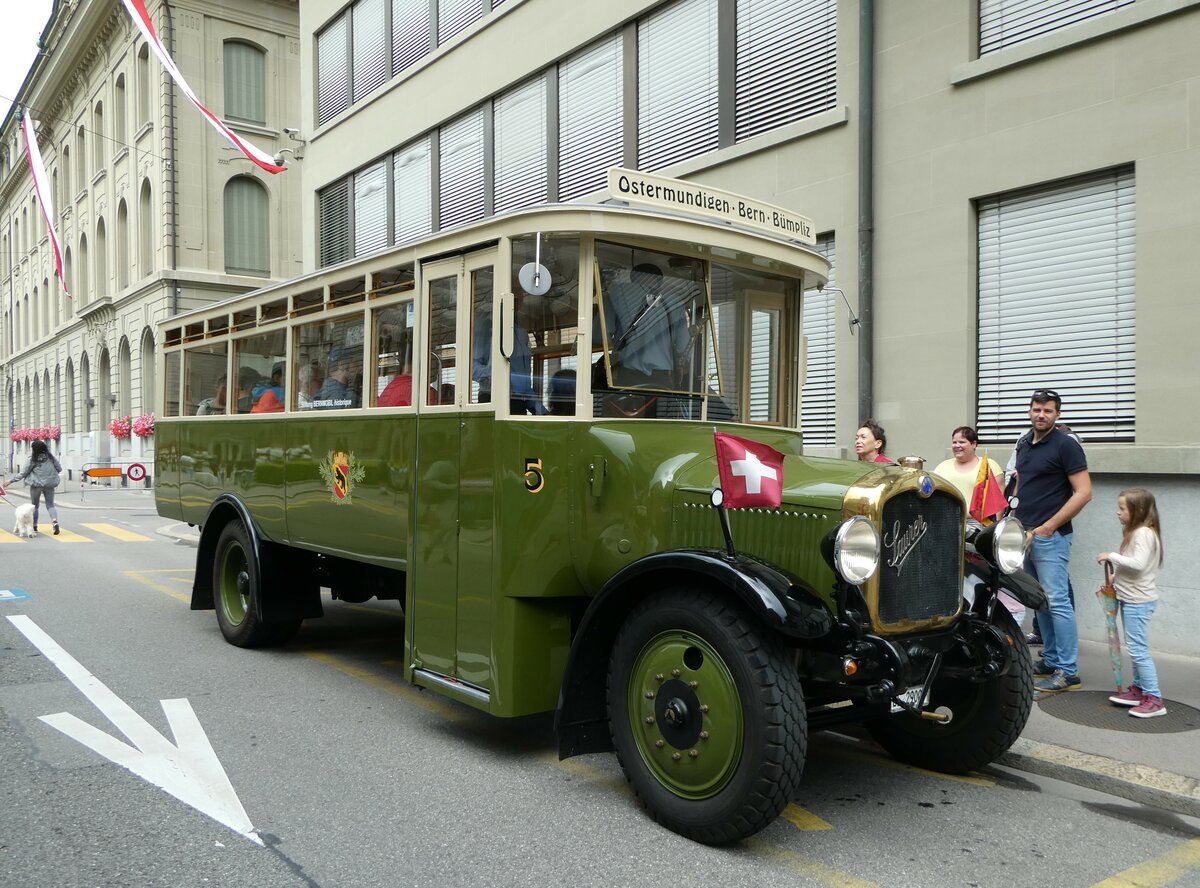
<point>329,364</point>
<point>546,320</point>
<point>260,366</point>
<point>205,389</point>
<point>393,336</point>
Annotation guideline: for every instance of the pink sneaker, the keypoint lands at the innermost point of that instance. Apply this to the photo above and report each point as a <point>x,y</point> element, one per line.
<point>1149,707</point>
<point>1130,697</point>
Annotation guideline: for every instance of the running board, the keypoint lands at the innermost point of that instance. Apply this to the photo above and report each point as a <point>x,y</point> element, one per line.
<point>451,686</point>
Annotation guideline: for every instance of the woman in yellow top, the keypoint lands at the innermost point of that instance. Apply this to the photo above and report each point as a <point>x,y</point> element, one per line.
<point>962,470</point>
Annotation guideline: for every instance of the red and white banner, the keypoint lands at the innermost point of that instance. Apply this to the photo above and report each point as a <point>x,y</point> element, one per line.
<point>41,185</point>
<point>141,18</point>
<point>751,473</point>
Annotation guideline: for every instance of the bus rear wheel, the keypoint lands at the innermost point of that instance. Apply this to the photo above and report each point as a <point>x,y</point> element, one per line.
<point>236,591</point>
<point>707,716</point>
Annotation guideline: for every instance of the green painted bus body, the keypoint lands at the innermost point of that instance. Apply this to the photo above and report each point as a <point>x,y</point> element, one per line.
<point>499,560</point>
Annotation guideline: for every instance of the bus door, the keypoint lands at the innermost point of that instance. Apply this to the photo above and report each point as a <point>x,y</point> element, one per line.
<point>449,616</point>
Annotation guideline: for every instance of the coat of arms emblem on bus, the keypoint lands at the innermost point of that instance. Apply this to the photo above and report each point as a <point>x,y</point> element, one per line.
<point>341,473</point>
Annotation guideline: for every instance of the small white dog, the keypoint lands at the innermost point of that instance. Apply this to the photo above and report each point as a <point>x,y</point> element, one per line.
<point>23,525</point>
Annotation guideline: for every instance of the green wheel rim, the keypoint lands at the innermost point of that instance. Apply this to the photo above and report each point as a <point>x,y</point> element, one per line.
<point>233,584</point>
<point>686,714</point>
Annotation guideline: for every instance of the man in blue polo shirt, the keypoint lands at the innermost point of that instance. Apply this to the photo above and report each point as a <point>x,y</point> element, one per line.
<point>1054,486</point>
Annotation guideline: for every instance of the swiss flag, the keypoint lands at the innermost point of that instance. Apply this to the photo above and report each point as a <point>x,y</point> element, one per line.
<point>751,473</point>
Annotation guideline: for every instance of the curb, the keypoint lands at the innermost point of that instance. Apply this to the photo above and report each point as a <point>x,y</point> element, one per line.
<point>180,532</point>
<point>1135,783</point>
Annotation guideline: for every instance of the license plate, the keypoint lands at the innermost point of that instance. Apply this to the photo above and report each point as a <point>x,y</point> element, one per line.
<point>912,697</point>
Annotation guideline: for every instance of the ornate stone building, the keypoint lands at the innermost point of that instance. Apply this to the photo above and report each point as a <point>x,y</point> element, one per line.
<point>155,212</point>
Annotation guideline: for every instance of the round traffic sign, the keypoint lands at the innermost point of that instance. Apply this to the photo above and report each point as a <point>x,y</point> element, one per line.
<point>136,472</point>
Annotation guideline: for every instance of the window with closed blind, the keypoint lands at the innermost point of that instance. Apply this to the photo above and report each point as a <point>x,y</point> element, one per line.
<point>370,209</point>
<point>412,190</point>
<point>1005,23</point>
<point>411,38</point>
<point>333,69</point>
<point>589,117</point>
<point>455,15</point>
<point>786,66</point>
<point>333,219</point>
<point>247,227</point>
<point>1056,306</point>
<point>818,405</point>
<point>245,82</point>
<point>519,147</point>
<point>369,44</point>
<point>460,161</point>
<point>677,83</point>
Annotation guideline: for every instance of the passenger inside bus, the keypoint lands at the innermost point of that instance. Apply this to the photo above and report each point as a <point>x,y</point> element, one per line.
<point>524,400</point>
<point>268,397</point>
<point>337,391</point>
<point>309,381</point>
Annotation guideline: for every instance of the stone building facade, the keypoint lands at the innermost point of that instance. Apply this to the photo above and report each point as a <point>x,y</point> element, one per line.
<point>155,213</point>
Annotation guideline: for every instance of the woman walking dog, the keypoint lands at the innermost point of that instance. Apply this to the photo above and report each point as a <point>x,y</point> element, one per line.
<point>43,475</point>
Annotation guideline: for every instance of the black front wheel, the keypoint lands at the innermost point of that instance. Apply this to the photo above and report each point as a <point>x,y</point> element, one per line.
<point>707,716</point>
<point>236,588</point>
<point>986,717</point>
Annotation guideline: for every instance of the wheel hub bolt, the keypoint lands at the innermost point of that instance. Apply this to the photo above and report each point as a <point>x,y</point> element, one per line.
<point>659,744</point>
<point>660,677</point>
<point>675,673</point>
<point>675,756</point>
<point>704,735</point>
<point>649,719</point>
<point>704,707</point>
<point>692,753</point>
<point>649,695</point>
<point>693,685</point>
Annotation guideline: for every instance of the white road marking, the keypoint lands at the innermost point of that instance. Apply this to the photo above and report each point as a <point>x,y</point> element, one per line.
<point>190,770</point>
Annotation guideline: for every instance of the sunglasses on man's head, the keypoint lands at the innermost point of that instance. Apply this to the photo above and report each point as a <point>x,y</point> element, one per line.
<point>1044,395</point>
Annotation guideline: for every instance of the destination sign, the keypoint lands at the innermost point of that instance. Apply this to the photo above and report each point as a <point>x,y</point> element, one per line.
<point>644,189</point>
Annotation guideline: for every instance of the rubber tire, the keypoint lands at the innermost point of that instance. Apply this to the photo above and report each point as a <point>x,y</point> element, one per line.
<point>988,717</point>
<point>774,718</point>
<point>236,612</point>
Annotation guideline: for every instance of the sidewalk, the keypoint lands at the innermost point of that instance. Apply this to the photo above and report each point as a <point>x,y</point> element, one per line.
<point>1078,737</point>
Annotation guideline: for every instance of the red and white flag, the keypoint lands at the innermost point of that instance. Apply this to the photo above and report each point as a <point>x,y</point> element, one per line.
<point>141,18</point>
<point>41,186</point>
<point>751,473</point>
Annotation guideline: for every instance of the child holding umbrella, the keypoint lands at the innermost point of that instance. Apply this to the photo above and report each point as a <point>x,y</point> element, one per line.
<point>1135,568</point>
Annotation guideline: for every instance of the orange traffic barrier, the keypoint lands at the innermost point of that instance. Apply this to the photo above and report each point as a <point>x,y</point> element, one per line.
<point>104,472</point>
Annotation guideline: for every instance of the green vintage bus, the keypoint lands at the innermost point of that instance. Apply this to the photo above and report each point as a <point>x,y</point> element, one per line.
<point>537,494</point>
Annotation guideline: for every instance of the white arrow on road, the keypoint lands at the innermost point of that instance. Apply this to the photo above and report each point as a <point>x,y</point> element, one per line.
<point>190,770</point>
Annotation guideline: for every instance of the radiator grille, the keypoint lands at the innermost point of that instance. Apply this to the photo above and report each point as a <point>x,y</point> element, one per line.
<point>922,545</point>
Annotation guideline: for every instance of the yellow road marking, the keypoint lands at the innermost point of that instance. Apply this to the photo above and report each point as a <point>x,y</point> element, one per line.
<point>845,749</point>
<point>1180,861</point>
<point>6,537</point>
<point>166,590</point>
<point>118,533</point>
<point>803,819</point>
<point>69,536</point>
<point>809,868</point>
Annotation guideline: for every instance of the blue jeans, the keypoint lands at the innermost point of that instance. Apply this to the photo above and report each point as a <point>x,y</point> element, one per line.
<point>1136,619</point>
<point>1049,558</point>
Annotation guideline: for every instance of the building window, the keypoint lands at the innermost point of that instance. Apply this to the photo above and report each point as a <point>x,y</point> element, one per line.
<point>370,209</point>
<point>369,49</point>
<point>122,245</point>
<point>333,211</point>
<point>461,185</point>
<point>786,62</point>
<point>412,191</point>
<point>98,140</point>
<point>143,85</point>
<point>410,32</point>
<point>1009,22</point>
<point>145,231</point>
<point>245,82</point>
<point>455,15</point>
<point>101,280</point>
<point>519,147</point>
<point>1056,306</point>
<point>65,166</point>
<point>818,405</point>
<point>590,136</point>
<point>81,155</point>
<point>333,69</point>
<point>677,83</point>
<point>247,227</point>
<point>120,136</point>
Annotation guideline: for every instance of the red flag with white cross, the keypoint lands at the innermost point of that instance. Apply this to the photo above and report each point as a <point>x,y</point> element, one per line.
<point>751,473</point>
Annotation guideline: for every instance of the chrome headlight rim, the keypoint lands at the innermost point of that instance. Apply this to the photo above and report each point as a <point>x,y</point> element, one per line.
<point>1008,545</point>
<point>848,548</point>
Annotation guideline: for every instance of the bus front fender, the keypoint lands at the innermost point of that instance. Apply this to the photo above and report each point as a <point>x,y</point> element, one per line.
<point>780,601</point>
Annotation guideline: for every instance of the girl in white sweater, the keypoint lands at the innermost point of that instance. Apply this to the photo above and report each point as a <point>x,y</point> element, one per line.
<point>1135,568</point>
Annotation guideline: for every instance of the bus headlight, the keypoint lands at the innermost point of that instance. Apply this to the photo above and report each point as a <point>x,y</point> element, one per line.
<point>1004,544</point>
<point>856,550</point>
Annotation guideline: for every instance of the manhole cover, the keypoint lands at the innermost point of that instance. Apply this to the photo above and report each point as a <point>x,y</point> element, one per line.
<point>1093,709</point>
